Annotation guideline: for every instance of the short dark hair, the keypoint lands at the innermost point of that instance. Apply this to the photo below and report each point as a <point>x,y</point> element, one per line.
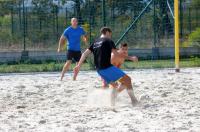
<point>123,45</point>
<point>105,29</point>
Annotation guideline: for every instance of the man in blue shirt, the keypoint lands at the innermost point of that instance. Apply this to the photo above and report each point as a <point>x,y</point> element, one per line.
<point>73,35</point>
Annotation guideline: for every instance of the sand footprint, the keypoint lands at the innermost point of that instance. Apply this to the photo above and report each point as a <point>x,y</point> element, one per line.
<point>20,86</point>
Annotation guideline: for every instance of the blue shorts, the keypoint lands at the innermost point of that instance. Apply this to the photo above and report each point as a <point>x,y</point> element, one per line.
<point>111,74</point>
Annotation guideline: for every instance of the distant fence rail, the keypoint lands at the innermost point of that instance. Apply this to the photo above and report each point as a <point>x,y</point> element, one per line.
<point>17,56</point>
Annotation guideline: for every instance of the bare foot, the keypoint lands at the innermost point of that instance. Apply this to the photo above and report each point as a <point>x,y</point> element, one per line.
<point>74,78</point>
<point>75,75</point>
<point>76,71</point>
<point>61,78</point>
<point>132,97</point>
<point>113,109</point>
<point>135,102</point>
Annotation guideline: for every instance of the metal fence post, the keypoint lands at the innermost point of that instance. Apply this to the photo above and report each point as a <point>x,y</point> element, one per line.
<point>189,20</point>
<point>12,21</point>
<point>26,21</point>
<point>24,30</point>
<point>181,19</point>
<point>24,55</point>
<point>196,12</point>
<point>90,23</point>
<point>154,23</point>
<point>103,13</point>
<point>57,11</point>
<point>66,16</point>
<point>20,21</point>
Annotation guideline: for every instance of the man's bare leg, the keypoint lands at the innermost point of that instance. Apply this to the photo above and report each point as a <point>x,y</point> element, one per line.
<point>75,74</point>
<point>132,96</point>
<point>104,84</point>
<point>126,82</point>
<point>65,68</point>
<point>120,87</point>
<point>113,94</point>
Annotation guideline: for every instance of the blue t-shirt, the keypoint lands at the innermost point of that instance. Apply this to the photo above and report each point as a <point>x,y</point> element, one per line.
<point>73,36</point>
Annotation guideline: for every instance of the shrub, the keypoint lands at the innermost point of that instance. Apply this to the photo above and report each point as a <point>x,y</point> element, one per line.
<point>194,38</point>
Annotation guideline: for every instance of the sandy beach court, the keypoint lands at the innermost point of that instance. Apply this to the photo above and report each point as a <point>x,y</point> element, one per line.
<point>32,102</point>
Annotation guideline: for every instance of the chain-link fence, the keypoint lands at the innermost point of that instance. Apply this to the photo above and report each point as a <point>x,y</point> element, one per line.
<point>37,25</point>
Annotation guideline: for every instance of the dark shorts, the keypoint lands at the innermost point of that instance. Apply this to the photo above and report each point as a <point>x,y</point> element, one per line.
<point>73,55</point>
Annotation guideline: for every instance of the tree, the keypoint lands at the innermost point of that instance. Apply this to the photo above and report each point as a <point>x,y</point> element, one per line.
<point>126,5</point>
<point>6,6</point>
<point>195,3</point>
<point>77,8</point>
<point>42,8</point>
<point>163,17</point>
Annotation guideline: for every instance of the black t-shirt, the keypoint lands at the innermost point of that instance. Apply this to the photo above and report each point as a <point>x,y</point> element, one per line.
<point>102,49</point>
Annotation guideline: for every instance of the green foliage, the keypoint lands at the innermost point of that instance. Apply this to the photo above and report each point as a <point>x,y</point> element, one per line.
<point>5,20</point>
<point>42,4</point>
<point>5,36</point>
<point>195,3</point>
<point>7,39</point>
<point>194,38</point>
<point>4,8</point>
<point>126,5</point>
<point>42,8</point>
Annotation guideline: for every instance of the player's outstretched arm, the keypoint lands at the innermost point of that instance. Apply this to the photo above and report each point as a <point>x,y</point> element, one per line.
<point>115,53</point>
<point>61,42</point>
<point>85,39</point>
<point>83,57</point>
<point>132,58</point>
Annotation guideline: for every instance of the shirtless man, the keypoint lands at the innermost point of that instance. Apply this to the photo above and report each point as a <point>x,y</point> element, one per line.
<point>123,51</point>
<point>118,60</point>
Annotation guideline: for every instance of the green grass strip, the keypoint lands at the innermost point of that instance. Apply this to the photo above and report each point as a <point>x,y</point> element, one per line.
<point>53,66</point>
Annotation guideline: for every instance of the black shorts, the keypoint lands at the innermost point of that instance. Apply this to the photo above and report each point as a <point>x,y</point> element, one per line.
<point>73,55</point>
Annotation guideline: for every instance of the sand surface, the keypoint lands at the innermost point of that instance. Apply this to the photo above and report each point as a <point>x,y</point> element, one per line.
<point>169,102</point>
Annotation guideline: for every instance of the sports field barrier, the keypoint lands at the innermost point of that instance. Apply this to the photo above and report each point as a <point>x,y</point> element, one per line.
<point>159,53</point>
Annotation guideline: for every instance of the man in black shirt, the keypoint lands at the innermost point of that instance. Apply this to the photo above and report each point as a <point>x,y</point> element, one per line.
<point>102,49</point>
